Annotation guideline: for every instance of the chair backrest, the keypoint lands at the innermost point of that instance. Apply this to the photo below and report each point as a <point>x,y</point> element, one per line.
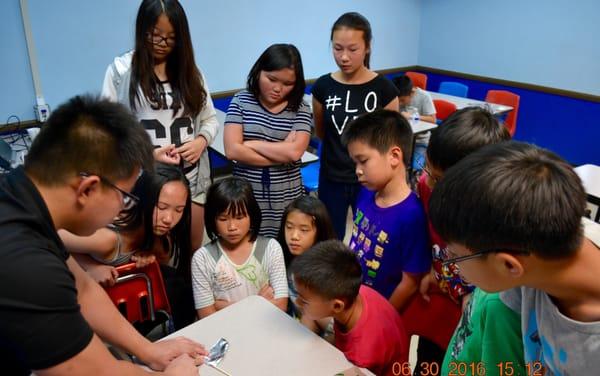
<point>139,292</point>
<point>418,79</point>
<point>454,88</point>
<point>508,99</point>
<point>443,108</point>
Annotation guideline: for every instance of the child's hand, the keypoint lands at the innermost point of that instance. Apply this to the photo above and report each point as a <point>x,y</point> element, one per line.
<point>143,259</point>
<point>291,137</point>
<point>426,283</point>
<point>267,292</point>
<point>182,365</point>
<point>191,151</point>
<point>105,275</point>
<point>167,154</point>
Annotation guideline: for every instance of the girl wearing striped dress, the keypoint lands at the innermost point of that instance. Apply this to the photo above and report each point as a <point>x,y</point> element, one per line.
<point>267,129</point>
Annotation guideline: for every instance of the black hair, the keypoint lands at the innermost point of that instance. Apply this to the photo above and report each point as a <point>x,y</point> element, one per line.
<point>314,208</point>
<point>276,57</point>
<point>356,21</point>
<point>381,129</point>
<point>462,133</point>
<point>330,270</point>
<point>511,196</point>
<point>89,134</point>
<point>147,189</point>
<point>404,85</point>
<point>184,77</point>
<point>234,196</point>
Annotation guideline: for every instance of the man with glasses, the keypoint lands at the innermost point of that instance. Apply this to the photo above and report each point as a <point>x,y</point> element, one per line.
<point>53,316</point>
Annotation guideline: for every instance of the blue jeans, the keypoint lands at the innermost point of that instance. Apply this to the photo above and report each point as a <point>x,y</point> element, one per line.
<point>337,197</point>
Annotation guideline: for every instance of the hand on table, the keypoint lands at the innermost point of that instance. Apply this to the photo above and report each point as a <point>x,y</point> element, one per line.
<point>162,353</point>
<point>182,365</point>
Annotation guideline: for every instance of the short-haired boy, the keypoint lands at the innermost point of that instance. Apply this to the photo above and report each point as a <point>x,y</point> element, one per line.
<point>389,234</point>
<point>368,330</point>
<point>511,214</point>
<point>77,177</point>
<point>412,96</point>
<point>434,317</point>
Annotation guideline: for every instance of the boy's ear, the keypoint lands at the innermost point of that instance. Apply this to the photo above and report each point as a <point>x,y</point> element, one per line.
<point>511,265</point>
<point>396,155</point>
<point>338,305</point>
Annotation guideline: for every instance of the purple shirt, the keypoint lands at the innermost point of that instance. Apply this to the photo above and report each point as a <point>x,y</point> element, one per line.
<point>389,241</point>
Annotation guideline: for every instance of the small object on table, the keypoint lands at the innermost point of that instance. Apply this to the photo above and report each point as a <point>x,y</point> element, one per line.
<point>216,354</point>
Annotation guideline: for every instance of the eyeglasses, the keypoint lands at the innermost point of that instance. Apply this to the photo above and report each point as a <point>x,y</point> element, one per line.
<point>458,259</point>
<point>157,39</point>
<point>129,200</point>
<point>425,169</point>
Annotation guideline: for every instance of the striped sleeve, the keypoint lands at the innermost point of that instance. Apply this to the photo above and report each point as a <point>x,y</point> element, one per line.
<point>203,268</point>
<point>303,121</point>
<point>275,266</point>
<point>234,111</point>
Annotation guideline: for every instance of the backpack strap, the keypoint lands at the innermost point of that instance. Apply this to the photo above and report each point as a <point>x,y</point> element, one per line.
<point>261,248</point>
<point>213,250</point>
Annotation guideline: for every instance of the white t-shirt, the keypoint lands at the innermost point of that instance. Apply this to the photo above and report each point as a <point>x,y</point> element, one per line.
<point>222,279</point>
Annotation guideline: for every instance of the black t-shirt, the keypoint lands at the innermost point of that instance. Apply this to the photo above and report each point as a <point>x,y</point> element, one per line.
<point>342,103</point>
<point>40,321</point>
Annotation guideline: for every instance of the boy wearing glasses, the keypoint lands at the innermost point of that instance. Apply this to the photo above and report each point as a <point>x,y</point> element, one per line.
<point>389,233</point>
<point>511,214</point>
<point>435,313</point>
<point>53,316</point>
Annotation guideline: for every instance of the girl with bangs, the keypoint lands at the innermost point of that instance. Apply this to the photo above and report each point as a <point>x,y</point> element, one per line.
<point>237,262</point>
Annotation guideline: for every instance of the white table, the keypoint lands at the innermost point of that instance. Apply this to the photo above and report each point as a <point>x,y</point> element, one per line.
<point>263,341</point>
<point>460,103</point>
<point>219,146</point>
<point>590,177</point>
<point>591,230</point>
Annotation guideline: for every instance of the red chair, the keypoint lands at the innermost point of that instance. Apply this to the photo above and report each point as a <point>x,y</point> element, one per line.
<point>508,99</point>
<point>418,79</point>
<point>140,294</point>
<point>443,109</point>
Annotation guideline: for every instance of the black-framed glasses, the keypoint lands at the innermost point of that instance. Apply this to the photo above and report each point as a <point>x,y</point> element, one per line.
<point>458,259</point>
<point>129,200</point>
<point>157,39</point>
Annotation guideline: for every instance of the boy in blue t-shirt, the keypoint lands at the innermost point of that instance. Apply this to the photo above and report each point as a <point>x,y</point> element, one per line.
<point>389,234</point>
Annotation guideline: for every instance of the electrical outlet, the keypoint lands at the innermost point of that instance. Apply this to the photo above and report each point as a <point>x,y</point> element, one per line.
<point>42,112</point>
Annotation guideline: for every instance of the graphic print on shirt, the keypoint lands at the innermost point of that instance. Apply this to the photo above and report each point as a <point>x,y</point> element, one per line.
<point>538,348</point>
<point>348,108</point>
<point>163,128</point>
<point>363,231</point>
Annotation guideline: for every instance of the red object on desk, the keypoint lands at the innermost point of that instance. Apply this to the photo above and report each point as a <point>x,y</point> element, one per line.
<point>508,99</point>
<point>140,292</point>
<point>418,79</point>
